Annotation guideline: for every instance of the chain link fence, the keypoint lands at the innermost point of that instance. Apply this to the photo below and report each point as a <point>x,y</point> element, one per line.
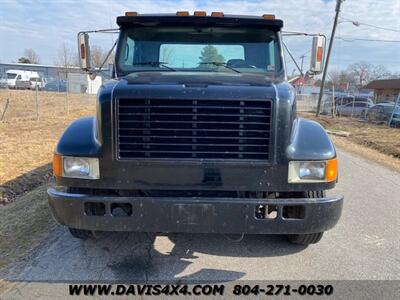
<point>350,106</point>
<point>309,103</point>
<point>19,105</point>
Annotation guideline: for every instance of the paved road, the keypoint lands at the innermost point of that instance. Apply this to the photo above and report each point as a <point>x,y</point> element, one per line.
<point>364,245</point>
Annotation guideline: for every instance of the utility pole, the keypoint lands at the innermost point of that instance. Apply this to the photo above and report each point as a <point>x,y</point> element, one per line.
<point>335,22</point>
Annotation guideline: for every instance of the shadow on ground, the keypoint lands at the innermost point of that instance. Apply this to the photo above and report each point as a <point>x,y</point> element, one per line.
<point>137,257</point>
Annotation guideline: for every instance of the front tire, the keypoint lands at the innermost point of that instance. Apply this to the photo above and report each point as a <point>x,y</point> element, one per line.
<point>81,233</point>
<point>308,238</point>
<point>305,239</point>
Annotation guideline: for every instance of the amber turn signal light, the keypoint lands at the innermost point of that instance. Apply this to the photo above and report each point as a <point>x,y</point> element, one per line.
<point>331,170</point>
<point>57,165</point>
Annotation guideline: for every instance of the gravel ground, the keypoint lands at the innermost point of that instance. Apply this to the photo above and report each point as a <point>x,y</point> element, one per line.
<point>364,245</point>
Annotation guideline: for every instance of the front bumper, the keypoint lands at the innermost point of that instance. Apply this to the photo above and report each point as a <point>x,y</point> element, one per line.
<point>195,215</point>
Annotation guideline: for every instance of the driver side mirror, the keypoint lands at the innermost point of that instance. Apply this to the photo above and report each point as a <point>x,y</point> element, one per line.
<point>84,51</point>
<point>317,55</point>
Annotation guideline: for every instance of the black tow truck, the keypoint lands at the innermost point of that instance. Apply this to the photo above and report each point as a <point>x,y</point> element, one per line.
<point>197,132</point>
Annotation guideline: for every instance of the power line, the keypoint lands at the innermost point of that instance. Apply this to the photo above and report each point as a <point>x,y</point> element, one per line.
<point>351,39</point>
<point>370,25</point>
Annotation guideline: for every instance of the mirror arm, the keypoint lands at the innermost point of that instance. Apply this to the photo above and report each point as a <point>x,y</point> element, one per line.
<point>291,56</point>
<point>108,55</point>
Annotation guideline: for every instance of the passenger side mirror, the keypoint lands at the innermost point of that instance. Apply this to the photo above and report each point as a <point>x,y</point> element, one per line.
<point>317,55</point>
<point>84,51</point>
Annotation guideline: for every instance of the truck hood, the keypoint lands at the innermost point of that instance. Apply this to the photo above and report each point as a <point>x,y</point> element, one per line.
<point>199,78</point>
<point>210,85</point>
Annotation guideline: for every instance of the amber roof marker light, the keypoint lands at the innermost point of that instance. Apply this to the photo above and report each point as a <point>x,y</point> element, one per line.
<point>200,13</point>
<point>182,13</point>
<point>217,14</point>
<point>131,14</point>
<point>268,17</point>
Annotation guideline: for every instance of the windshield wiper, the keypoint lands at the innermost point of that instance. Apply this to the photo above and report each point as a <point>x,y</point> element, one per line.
<point>154,64</point>
<point>219,64</point>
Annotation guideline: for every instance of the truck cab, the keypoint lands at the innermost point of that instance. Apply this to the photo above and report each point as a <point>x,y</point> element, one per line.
<point>198,133</point>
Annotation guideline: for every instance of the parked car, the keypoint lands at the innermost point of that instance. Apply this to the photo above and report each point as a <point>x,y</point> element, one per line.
<point>38,82</point>
<point>56,86</point>
<point>356,109</point>
<point>381,113</point>
<point>340,101</point>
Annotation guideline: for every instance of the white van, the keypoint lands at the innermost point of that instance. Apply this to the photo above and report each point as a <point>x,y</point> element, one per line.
<point>19,78</point>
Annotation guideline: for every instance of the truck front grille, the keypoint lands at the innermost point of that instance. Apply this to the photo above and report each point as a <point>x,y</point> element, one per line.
<point>193,129</point>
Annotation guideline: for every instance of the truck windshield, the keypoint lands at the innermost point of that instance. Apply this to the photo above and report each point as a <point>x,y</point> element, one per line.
<point>192,49</point>
<point>11,75</point>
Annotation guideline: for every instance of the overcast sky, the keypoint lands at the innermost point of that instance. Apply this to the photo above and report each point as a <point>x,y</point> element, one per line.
<point>45,25</point>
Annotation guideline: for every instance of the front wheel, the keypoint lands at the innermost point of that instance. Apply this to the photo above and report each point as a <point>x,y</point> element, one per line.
<point>81,233</point>
<point>305,239</point>
<point>308,238</point>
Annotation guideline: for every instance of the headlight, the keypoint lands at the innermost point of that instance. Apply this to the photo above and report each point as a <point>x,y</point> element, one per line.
<point>76,167</point>
<point>312,171</point>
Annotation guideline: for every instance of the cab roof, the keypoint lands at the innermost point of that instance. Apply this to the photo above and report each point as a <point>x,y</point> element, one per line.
<point>174,19</point>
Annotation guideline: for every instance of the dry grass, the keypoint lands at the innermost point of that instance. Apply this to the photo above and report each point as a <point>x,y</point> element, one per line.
<point>368,153</point>
<point>23,225</point>
<point>382,138</point>
<point>27,144</point>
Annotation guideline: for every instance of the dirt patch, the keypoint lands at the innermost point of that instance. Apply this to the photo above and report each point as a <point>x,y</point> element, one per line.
<point>382,138</point>
<point>368,153</point>
<point>10,190</point>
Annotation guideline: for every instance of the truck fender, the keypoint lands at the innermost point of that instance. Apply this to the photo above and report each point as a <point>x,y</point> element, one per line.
<point>309,141</point>
<point>79,139</point>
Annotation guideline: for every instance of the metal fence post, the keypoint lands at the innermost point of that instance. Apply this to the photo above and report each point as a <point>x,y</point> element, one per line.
<point>5,109</point>
<point>37,100</point>
<point>333,102</point>
<point>67,96</point>
<point>394,108</point>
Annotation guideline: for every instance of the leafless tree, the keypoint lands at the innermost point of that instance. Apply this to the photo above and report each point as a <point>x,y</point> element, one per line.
<point>67,57</point>
<point>364,72</point>
<point>98,55</point>
<point>339,78</point>
<point>32,56</point>
<point>380,72</point>
<point>361,72</point>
